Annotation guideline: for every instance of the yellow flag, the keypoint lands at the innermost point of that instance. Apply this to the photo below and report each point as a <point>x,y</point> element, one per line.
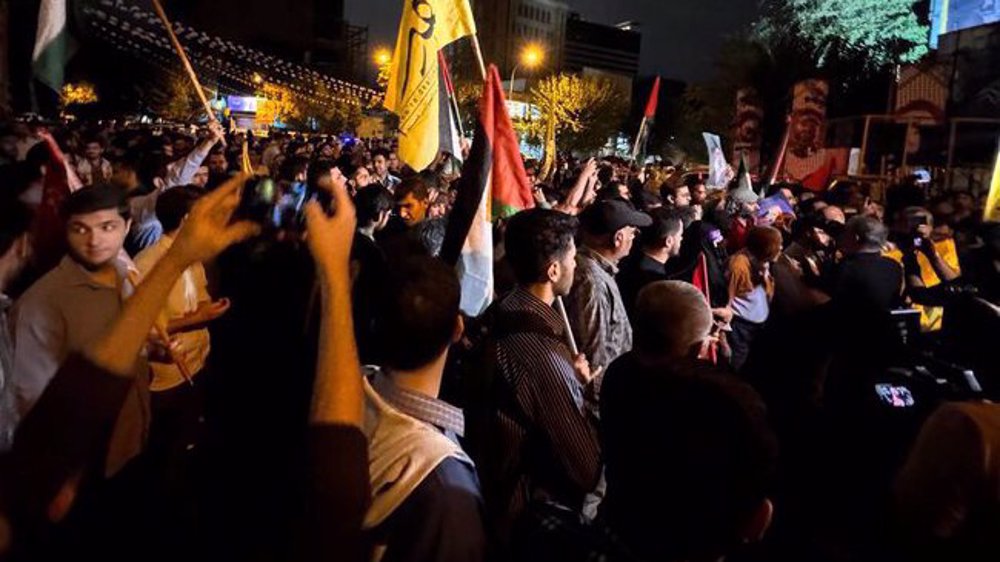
<point>992,210</point>
<point>413,92</point>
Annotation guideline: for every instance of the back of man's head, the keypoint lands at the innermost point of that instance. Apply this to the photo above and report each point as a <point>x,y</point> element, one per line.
<point>418,312</point>
<point>370,203</point>
<point>174,204</point>
<point>688,460</point>
<point>671,321</point>
<point>97,197</point>
<point>867,234</point>
<point>534,239</point>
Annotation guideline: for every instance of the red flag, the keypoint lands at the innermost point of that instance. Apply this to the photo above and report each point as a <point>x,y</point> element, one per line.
<point>493,173</point>
<point>819,179</point>
<point>639,148</point>
<point>60,180</point>
<point>654,97</point>
<point>700,280</point>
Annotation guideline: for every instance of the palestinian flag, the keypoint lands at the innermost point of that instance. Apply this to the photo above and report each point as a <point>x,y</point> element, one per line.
<point>494,172</point>
<point>53,44</point>
<point>449,127</point>
<point>647,121</point>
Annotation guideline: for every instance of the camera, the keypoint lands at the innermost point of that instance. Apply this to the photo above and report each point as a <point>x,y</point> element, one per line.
<point>266,202</point>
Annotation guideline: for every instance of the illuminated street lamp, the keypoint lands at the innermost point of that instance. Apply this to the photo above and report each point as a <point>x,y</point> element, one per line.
<point>258,79</point>
<point>531,56</point>
<point>382,56</point>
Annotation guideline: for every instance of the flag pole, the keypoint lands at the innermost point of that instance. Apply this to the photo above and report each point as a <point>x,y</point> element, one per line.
<point>780,160</point>
<point>638,137</point>
<point>185,61</point>
<point>161,332</point>
<point>479,55</point>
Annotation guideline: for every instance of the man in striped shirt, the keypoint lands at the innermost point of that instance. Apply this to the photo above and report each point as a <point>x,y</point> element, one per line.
<point>547,441</point>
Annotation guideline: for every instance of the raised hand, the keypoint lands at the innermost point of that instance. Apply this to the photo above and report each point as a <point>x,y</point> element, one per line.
<point>208,229</point>
<point>330,236</point>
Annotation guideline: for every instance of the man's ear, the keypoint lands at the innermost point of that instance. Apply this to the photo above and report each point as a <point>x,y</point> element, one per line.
<point>759,522</point>
<point>552,272</point>
<point>459,329</point>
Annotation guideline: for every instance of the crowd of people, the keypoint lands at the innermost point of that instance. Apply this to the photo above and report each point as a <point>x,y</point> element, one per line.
<point>201,362</point>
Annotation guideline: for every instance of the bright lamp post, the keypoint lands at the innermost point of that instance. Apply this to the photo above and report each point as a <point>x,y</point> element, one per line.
<point>531,56</point>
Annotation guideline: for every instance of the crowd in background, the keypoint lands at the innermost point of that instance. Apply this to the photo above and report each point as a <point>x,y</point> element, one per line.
<point>197,362</point>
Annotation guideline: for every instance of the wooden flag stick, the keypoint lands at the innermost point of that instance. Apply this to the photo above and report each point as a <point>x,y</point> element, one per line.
<point>161,332</point>
<point>779,162</point>
<point>479,55</point>
<point>185,61</point>
<point>569,331</point>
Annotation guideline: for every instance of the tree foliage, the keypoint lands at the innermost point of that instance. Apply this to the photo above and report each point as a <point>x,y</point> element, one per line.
<point>869,34</point>
<point>318,111</point>
<point>578,113</point>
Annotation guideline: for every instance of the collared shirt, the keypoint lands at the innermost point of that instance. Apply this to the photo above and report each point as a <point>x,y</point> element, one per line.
<point>64,312</point>
<point>441,519</point>
<point>190,290</point>
<point>438,413</point>
<point>389,182</point>
<point>547,409</point>
<point>597,311</point>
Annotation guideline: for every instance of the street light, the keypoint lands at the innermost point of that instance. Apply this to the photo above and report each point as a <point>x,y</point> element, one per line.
<point>258,79</point>
<point>382,56</point>
<point>531,56</point>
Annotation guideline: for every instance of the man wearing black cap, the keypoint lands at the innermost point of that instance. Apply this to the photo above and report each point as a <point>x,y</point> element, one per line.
<point>660,241</point>
<point>595,305</point>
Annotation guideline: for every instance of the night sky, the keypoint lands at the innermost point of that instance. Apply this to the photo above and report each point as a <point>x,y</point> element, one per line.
<point>679,37</point>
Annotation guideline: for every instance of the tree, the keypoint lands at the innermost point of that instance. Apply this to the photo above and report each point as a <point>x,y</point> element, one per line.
<point>172,97</point>
<point>577,113</point>
<point>868,34</point>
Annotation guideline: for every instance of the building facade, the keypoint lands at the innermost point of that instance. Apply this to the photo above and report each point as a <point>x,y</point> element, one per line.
<point>594,48</point>
<point>507,26</point>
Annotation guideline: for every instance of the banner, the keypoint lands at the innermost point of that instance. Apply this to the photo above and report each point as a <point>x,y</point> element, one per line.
<point>718,168</point>
<point>806,154</point>
<point>992,210</point>
<point>747,128</point>
<point>414,89</point>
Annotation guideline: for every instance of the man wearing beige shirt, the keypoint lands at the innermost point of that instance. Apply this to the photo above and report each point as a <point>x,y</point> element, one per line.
<point>176,403</point>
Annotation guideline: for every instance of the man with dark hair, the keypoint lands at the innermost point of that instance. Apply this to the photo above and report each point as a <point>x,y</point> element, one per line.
<point>380,161</point>
<point>426,503</point>
<point>691,485</point>
<point>677,196</point>
<point>696,188</point>
<point>542,384</point>
<point>595,305</point>
<point>659,242</point>
<point>368,266</point>
<point>15,252</point>
<point>413,198</point>
<point>865,277</point>
<point>72,304</point>
<point>188,310</point>
<point>93,168</point>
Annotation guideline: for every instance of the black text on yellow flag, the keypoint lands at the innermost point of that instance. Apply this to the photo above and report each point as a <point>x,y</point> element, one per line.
<point>425,27</point>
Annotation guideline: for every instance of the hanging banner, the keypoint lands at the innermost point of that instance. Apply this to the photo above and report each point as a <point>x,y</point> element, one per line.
<point>747,128</point>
